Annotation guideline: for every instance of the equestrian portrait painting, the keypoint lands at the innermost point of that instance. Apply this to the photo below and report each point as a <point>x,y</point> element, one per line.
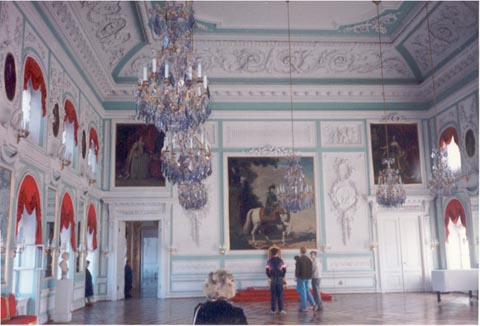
<point>256,219</point>
<point>137,156</point>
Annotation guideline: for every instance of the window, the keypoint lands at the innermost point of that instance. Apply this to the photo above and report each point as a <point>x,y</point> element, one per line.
<point>93,154</point>
<point>449,140</point>
<point>457,249</point>
<point>33,100</point>
<point>70,129</point>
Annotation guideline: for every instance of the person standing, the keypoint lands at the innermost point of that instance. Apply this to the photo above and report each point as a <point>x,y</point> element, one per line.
<point>303,274</point>
<point>128,280</point>
<point>316,274</point>
<point>276,270</point>
<point>88,285</point>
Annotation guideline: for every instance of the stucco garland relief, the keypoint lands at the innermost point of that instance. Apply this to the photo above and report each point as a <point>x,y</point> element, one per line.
<point>109,26</point>
<point>308,58</point>
<point>31,40</point>
<point>344,196</point>
<point>61,13</point>
<point>449,25</point>
<point>372,24</point>
<point>468,112</point>
<point>446,118</point>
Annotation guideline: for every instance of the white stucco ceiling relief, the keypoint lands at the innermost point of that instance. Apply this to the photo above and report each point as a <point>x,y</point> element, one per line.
<point>452,24</point>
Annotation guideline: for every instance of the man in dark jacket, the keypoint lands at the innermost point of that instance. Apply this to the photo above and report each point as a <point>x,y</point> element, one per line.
<point>276,270</point>
<point>303,274</point>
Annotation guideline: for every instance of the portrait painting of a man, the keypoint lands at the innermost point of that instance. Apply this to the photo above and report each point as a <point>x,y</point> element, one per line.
<point>137,156</point>
<point>256,218</point>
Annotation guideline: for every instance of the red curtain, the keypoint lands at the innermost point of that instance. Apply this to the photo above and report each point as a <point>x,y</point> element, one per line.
<point>33,72</point>
<point>67,218</point>
<point>71,116</point>
<point>446,137</point>
<point>453,212</point>
<point>94,141</point>
<point>29,199</point>
<point>92,225</point>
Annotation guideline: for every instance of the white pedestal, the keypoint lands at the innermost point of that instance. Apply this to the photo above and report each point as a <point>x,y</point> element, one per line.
<point>63,301</point>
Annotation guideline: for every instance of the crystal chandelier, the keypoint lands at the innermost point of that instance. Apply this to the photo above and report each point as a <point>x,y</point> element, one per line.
<point>294,194</point>
<point>186,157</point>
<point>390,191</point>
<point>192,195</point>
<point>443,183</point>
<point>173,95</point>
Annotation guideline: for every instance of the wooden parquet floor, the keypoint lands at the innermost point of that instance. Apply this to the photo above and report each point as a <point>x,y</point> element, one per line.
<point>344,309</point>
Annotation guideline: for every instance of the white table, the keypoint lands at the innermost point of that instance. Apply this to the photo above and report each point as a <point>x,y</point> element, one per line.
<point>454,280</point>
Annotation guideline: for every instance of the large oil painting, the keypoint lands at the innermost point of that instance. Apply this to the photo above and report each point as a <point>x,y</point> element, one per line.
<point>256,221</point>
<point>403,147</point>
<point>137,156</point>
<point>5,189</point>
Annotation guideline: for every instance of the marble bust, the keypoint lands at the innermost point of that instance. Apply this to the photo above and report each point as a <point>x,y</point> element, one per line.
<point>64,265</point>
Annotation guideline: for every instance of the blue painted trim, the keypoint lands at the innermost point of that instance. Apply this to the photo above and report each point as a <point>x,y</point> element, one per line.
<point>315,81</point>
<point>315,106</point>
<point>469,78</point>
<point>118,68</point>
<point>410,61</point>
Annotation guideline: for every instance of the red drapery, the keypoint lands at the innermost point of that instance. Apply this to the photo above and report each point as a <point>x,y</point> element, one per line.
<point>453,212</point>
<point>67,218</point>
<point>446,137</point>
<point>71,116</point>
<point>92,225</point>
<point>29,199</point>
<point>33,72</point>
<point>94,141</point>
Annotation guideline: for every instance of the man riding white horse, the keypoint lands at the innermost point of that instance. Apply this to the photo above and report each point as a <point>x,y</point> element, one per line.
<point>272,214</point>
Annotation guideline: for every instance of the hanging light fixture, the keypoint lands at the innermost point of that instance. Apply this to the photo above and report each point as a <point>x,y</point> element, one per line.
<point>294,194</point>
<point>443,183</point>
<point>390,191</point>
<point>173,95</point>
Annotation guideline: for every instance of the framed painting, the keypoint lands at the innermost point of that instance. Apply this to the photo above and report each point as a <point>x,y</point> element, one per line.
<point>255,221</point>
<point>402,146</point>
<point>137,156</point>
<point>5,207</point>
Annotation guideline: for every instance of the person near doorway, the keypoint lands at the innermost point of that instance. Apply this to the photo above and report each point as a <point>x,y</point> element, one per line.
<point>276,270</point>
<point>88,285</point>
<point>128,280</point>
<point>218,310</point>
<point>303,274</point>
<point>316,274</point>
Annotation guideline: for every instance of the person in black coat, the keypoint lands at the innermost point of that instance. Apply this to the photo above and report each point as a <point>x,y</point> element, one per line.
<point>219,288</point>
<point>128,280</point>
<point>88,285</point>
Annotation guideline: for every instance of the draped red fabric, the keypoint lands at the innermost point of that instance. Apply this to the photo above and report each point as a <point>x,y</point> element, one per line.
<point>29,199</point>
<point>94,141</point>
<point>34,73</point>
<point>453,212</point>
<point>92,225</point>
<point>67,218</point>
<point>71,116</point>
<point>446,137</point>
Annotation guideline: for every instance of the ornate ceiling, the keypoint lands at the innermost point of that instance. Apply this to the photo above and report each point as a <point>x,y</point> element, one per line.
<point>334,44</point>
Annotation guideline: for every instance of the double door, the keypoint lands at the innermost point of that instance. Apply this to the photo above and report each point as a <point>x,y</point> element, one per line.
<point>400,254</point>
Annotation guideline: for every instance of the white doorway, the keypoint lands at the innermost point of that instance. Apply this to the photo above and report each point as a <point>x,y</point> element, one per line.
<point>400,253</point>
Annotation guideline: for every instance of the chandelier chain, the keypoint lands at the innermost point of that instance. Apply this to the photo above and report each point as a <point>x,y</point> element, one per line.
<point>290,77</point>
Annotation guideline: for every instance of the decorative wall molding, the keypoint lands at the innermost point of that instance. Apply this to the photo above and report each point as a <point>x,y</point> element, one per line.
<point>468,114</point>
<point>349,263</point>
<point>276,133</point>
<point>33,43</point>
<point>342,134</point>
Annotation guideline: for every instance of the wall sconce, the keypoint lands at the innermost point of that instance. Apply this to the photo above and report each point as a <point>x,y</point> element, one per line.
<point>106,251</point>
<point>22,133</point>
<point>222,249</point>
<point>65,162</point>
<point>373,246</point>
<point>434,244</point>
<point>325,247</point>
<point>81,249</point>
<point>91,181</point>
<point>172,250</point>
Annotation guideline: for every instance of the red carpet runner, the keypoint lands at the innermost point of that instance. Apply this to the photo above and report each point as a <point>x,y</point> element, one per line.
<point>263,294</point>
